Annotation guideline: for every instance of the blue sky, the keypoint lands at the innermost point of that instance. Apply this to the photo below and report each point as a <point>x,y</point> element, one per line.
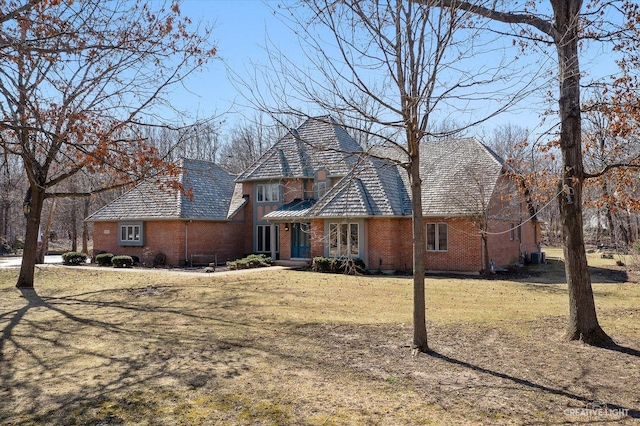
<point>241,29</point>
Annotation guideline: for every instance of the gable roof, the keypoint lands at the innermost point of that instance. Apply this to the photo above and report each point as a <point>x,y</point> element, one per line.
<point>459,177</point>
<point>373,188</point>
<point>212,188</point>
<point>319,142</point>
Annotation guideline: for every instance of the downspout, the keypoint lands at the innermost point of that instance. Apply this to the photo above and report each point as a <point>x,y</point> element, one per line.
<point>186,242</point>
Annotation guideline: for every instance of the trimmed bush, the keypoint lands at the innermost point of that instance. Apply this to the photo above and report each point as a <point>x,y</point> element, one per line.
<point>74,258</point>
<point>251,261</point>
<point>104,259</point>
<point>338,265</point>
<point>122,261</point>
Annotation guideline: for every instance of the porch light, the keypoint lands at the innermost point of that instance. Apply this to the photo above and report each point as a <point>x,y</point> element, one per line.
<point>286,227</point>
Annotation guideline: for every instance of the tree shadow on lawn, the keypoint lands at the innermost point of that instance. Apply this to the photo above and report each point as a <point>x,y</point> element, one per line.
<point>22,369</point>
<point>494,374</point>
<point>631,412</point>
<point>553,272</point>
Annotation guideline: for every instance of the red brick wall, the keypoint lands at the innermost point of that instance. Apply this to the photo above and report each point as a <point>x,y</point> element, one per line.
<point>508,208</point>
<point>226,239</point>
<point>317,238</point>
<point>390,241</point>
<point>285,241</point>
<point>386,237</point>
<point>464,247</point>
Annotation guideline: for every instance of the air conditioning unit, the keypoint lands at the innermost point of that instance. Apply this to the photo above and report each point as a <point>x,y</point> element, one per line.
<point>538,257</point>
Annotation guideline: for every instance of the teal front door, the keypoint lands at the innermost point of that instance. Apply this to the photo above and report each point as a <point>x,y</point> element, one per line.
<point>301,240</point>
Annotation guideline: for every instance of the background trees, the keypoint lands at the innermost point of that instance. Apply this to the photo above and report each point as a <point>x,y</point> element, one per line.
<point>78,80</point>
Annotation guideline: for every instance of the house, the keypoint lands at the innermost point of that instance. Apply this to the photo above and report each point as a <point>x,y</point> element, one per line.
<point>203,224</point>
<point>316,192</point>
<point>309,204</point>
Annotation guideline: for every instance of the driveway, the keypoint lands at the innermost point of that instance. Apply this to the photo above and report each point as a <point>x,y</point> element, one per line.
<point>16,261</point>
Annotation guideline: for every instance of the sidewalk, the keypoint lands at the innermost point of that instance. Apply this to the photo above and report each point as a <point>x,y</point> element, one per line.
<point>56,261</point>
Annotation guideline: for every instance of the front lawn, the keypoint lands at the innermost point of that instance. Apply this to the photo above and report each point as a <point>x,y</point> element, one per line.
<point>286,347</point>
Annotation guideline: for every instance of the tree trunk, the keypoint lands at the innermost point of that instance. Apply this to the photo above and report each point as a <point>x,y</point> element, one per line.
<point>30,252</point>
<point>583,322</point>
<point>74,226</point>
<point>85,226</point>
<point>46,232</point>
<point>419,252</point>
<point>6,205</point>
<point>486,267</point>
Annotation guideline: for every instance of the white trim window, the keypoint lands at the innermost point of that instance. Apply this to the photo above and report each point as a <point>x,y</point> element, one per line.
<point>344,240</point>
<point>130,234</point>
<point>437,237</point>
<point>268,192</point>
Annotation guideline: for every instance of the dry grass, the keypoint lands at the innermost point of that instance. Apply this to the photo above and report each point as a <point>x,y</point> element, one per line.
<point>285,347</point>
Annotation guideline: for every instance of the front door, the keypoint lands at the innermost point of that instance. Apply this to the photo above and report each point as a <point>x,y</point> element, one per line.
<point>301,240</point>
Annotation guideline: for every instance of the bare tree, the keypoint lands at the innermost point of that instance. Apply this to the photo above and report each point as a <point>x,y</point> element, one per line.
<point>77,80</point>
<point>248,140</point>
<point>11,185</point>
<point>563,24</point>
<point>408,60</point>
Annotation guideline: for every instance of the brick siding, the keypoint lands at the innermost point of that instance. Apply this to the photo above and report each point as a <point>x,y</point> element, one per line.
<point>227,240</point>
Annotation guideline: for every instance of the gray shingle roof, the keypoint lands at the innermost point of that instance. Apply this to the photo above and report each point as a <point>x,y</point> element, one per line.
<point>458,178</point>
<point>212,188</point>
<point>238,200</point>
<point>318,143</point>
<point>373,188</point>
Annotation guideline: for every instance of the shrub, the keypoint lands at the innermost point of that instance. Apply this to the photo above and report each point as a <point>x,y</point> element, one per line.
<point>122,261</point>
<point>18,244</point>
<point>338,265</point>
<point>74,258</point>
<point>159,260</point>
<point>104,259</point>
<point>322,264</point>
<point>251,261</point>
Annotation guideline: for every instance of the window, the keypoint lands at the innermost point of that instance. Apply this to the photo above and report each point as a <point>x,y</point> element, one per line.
<point>515,232</point>
<point>322,189</point>
<point>437,236</point>
<point>268,192</point>
<point>344,240</point>
<point>263,241</point>
<point>131,234</point>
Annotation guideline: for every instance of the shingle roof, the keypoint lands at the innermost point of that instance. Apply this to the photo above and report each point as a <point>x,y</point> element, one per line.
<point>373,188</point>
<point>318,143</point>
<point>238,200</point>
<point>212,188</point>
<point>458,178</point>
